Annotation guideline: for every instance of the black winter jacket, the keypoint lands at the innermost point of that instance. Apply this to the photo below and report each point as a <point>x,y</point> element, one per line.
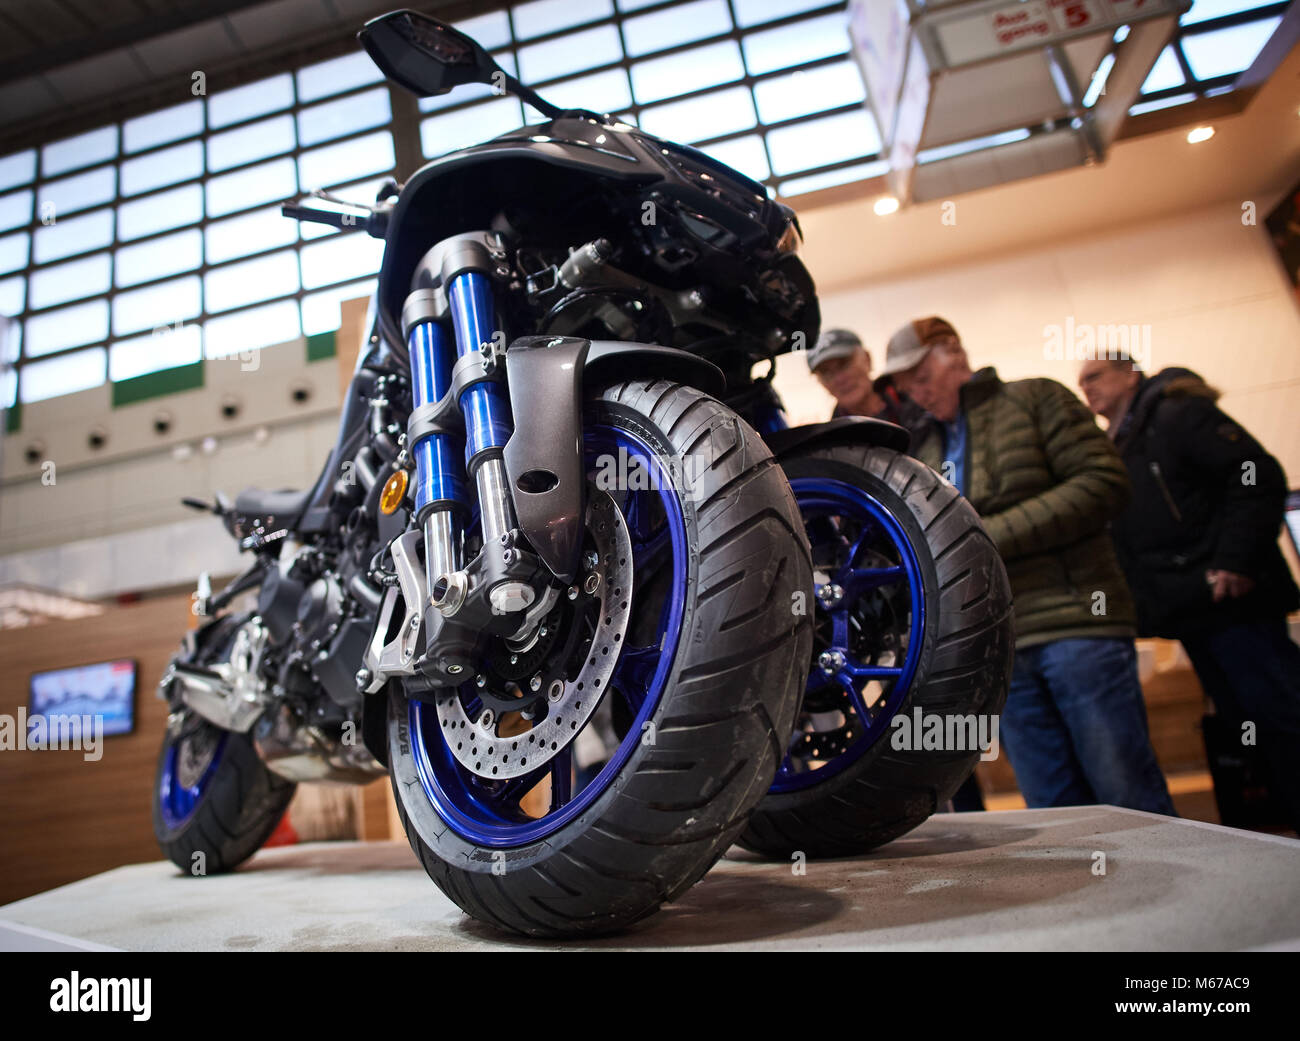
<point>1206,495</point>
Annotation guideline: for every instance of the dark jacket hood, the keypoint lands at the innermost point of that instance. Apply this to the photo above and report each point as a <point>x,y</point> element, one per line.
<point>1173,382</point>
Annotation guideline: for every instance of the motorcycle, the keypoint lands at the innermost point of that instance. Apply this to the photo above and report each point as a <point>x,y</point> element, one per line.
<point>567,577</point>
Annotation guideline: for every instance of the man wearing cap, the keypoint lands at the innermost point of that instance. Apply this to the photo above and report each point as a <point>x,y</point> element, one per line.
<point>1046,481</point>
<point>843,366</point>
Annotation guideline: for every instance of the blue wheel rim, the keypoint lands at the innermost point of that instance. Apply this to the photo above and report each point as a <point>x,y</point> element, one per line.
<point>177,802</point>
<point>488,813</point>
<point>830,508</point>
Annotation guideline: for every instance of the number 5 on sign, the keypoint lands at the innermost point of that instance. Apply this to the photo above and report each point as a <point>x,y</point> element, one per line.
<point>1074,14</point>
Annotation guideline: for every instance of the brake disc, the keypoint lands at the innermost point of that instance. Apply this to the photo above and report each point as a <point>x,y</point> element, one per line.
<point>569,703</point>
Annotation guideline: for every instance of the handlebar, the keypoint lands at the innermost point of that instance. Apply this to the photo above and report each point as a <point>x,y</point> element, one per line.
<point>372,219</point>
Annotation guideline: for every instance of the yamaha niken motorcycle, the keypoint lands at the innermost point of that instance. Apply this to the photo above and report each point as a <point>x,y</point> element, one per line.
<point>566,576</point>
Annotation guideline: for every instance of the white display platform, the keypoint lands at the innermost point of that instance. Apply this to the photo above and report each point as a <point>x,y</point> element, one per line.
<point>1015,880</point>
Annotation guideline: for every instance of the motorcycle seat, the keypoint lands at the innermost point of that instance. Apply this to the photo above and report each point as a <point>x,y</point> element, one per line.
<point>280,507</point>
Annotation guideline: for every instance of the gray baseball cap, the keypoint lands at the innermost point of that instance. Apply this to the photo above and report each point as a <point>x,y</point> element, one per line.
<point>909,346</point>
<point>833,343</point>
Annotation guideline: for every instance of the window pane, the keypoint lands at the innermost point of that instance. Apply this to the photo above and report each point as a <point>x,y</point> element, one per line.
<point>255,99</point>
<point>15,209</point>
<point>76,152</point>
<point>661,29</point>
<point>755,12</point>
<point>247,188</point>
<point>68,327</point>
<point>1226,52</point>
<point>822,141</point>
<point>336,75</point>
<point>602,92</point>
<point>18,168</point>
<point>13,252</point>
<point>712,115</point>
<point>248,330</point>
<point>690,70</point>
<point>1165,73</point>
<point>340,257</point>
<point>75,235</point>
<point>346,161</point>
<point>158,128</point>
<point>745,154</point>
<point>57,198</point>
<point>796,44</point>
<point>11,336</point>
<point>570,53</point>
<point>12,294</point>
<point>249,233</point>
<point>247,143</point>
<point>1204,10</point>
<point>490,30</point>
<point>66,375</point>
<point>802,93</point>
<point>160,212</point>
<point>469,126</point>
<point>320,311</point>
<point>70,281</point>
<point>1152,106</point>
<point>166,348</point>
<point>158,258</point>
<point>235,285</point>
<point>548,16</point>
<point>163,304</point>
<point>162,168</point>
<point>336,118</point>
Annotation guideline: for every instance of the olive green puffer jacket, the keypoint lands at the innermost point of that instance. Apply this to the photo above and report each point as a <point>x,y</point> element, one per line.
<point>1046,481</point>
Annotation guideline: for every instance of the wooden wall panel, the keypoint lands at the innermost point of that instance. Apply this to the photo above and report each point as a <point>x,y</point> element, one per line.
<point>63,818</point>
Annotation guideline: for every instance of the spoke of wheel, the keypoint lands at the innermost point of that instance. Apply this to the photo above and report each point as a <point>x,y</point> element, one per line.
<point>561,778</point>
<point>857,545</point>
<point>636,666</point>
<point>856,581</point>
<point>855,695</point>
<point>872,672</point>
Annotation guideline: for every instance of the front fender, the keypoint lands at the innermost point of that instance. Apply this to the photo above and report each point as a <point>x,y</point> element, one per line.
<point>548,376</point>
<point>852,430</point>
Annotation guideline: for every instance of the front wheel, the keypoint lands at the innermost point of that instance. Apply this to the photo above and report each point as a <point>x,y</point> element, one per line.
<point>590,773</point>
<point>911,661</point>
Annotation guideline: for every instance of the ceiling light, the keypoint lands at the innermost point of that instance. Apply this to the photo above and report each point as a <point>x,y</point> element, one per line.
<point>886,205</point>
<point>1195,137</point>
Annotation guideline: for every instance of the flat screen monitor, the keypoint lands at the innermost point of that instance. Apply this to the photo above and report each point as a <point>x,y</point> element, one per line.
<point>105,689</point>
<point>1293,519</point>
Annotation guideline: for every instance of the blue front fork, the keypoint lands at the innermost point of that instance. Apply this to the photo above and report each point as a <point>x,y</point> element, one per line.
<point>441,491</point>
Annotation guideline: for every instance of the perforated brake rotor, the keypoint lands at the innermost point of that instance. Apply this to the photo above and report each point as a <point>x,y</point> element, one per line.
<point>480,748</point>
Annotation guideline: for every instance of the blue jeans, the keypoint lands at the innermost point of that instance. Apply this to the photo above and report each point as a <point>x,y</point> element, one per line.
<point>1075,727</point>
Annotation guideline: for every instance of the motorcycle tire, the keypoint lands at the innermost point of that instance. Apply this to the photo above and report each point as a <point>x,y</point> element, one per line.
<point>214,802</point>
<point>698,751</point>
<point>872,792</point>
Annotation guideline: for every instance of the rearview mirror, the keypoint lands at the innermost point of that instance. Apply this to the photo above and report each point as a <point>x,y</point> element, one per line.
<point>427,56</point>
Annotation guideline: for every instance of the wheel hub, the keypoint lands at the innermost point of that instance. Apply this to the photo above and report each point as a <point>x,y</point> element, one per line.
<point>568,703</point>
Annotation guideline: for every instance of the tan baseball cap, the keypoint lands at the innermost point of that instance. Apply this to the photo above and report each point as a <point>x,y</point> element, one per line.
<point>909,346</point>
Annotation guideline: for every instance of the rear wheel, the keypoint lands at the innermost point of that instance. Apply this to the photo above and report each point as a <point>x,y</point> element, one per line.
<point>668,677</point>
<point>913,612</point>
<point>214,802</point>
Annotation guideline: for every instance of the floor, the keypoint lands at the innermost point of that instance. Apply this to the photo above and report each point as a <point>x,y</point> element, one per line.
<point>1012,880</point>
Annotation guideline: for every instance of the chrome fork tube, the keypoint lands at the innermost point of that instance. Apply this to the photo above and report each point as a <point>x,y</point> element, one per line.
<point>495,508</point>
